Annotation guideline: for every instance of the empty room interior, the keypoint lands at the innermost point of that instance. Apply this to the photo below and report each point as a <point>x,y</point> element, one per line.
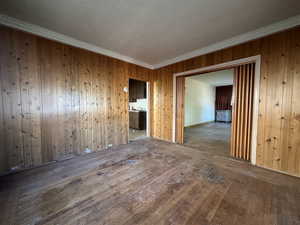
<point>149,112</point>
<point>208,111</point>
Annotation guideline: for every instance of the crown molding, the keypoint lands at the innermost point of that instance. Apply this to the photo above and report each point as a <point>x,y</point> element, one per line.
<point>52,35</point>
<point>252,35</point>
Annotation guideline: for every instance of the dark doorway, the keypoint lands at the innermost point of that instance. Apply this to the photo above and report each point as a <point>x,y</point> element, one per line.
<point>138,107</point>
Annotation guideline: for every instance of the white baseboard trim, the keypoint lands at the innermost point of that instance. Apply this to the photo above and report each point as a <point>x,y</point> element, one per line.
<point>197,124</point>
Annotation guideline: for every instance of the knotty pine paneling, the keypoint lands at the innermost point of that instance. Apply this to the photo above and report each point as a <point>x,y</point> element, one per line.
<point>58,100</point>
<point>39,78</point>
<point>279,109</point>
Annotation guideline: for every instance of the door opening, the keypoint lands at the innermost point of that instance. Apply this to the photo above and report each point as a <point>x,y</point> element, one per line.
<point>138,107</point>
<point>244,106</point>
<point>208,110</point>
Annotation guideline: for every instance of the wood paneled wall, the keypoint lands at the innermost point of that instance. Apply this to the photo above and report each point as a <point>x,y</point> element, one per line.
<point>279,109</point>
<point>57,100</point>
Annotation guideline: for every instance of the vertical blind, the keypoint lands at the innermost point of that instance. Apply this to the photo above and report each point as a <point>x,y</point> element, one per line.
<point>242,111</point>
<point>180,85</point>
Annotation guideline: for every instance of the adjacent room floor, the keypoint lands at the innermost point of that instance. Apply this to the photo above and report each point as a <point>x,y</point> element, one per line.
<point>149,182</point>
<point>211,137</point>
<point>135,134</point>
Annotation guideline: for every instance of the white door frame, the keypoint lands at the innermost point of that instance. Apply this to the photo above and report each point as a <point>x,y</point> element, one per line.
<point>148,116</point>
<point>254,59</point>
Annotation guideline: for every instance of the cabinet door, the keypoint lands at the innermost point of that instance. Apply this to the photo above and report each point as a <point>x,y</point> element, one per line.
<point>132,90</point>
<point>134,120</point>
<point>137,90</point>
<point>142,120</point>
<point>141,90</point>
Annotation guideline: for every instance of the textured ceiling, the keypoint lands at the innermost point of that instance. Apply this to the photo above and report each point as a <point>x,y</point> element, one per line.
<point>219,78</point>
<point>151,31</point>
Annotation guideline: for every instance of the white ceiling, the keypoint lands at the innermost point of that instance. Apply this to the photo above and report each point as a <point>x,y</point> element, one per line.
<point>151,31</point>
<point>219,78</point>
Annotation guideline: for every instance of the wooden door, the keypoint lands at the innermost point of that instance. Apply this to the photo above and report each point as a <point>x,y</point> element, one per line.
<point>180,93</point>
<point>241,129</point>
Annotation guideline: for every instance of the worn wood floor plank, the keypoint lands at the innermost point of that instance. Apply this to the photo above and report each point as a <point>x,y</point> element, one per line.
<point>149,182</point>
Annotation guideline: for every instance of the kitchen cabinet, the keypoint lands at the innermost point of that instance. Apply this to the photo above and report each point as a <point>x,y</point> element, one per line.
<point>223,116</point>
<point>137,119</point>
<point>137,90</point>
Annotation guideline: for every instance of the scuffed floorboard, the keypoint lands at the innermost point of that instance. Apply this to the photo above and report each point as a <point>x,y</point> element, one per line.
<point>149,182</point>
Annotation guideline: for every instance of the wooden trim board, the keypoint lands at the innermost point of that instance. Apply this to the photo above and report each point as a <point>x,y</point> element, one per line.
<point>198,124</point>
<point>148,114</point>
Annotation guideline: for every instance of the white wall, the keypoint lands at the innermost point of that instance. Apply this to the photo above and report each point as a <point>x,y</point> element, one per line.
<point>199,102</point>
<point>140,104</point>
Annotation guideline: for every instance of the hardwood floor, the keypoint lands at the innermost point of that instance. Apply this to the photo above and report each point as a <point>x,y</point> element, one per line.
<point>136,134</point>
<point>209,137</point>
<point>149,182</point>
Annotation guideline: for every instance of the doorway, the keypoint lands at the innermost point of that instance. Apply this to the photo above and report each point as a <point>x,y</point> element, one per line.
<point>208,111</point>
<point>138,107</point>
<point>244,110</point>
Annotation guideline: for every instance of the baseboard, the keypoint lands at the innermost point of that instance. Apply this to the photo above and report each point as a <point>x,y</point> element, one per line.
<point>197,124</point>
<point>219,121</point>
<point>277,171</point>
